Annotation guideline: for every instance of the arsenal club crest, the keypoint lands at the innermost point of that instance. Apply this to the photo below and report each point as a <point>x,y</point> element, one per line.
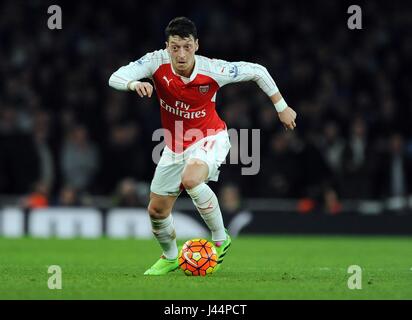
<point>204,89</point>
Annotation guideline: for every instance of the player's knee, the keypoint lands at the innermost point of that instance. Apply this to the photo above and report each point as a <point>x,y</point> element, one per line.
<point>190,182</point>
<point>157,212</point>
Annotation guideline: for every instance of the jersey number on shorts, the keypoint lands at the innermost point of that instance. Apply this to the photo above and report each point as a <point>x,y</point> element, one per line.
<point>208,145</point>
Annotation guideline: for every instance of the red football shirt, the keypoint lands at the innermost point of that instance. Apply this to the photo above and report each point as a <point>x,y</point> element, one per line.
<point>187,106</point>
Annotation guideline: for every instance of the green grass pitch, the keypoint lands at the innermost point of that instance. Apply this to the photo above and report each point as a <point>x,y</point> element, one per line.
<point>258,267</point>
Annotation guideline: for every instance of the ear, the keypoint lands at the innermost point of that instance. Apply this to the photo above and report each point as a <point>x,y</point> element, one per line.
<point>167,46</point>
<point>196,45</point>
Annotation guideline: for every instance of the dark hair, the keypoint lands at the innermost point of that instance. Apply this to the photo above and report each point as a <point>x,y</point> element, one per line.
<point>182,27</point>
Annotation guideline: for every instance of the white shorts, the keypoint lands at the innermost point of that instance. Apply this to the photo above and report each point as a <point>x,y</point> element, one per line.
<point>168,175</point>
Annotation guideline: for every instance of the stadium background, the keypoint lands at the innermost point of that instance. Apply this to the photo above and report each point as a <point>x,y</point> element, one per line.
<point>69,140</point>
<point>75,155</point>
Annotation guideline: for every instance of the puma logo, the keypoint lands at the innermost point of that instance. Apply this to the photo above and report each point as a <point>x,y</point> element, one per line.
<point>167,80</point>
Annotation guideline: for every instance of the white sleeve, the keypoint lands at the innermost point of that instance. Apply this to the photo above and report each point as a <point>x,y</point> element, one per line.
<point>139,69</point>
<point>230,72</point>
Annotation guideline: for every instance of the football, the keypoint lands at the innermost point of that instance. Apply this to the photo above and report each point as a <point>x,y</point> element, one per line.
<point>198,257</point>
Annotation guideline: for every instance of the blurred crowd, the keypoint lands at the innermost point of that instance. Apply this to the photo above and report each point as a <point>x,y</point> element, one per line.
<point>66,135</point>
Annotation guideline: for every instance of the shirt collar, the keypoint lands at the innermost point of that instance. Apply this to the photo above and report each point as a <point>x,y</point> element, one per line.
<point>194,72</point>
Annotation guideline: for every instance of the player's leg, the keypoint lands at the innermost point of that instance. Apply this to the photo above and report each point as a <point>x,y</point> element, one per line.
<point>206,202</point>
<point>164,190</point>
<point>160,208</point>
<point>194,176</point>
<point>201,167</point>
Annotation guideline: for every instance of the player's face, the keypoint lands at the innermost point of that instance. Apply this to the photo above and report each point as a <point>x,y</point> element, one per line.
<point>182,53</point>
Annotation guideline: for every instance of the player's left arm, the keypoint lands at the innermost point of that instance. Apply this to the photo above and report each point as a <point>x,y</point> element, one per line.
<point>230,72</point>
<point>286,114</point>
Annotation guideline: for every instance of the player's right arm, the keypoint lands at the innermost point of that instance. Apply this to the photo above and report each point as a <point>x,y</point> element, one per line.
<point>127,78</point>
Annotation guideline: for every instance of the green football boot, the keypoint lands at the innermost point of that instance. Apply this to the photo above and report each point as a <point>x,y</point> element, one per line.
<point>221,248</point>
<point>162,267</point>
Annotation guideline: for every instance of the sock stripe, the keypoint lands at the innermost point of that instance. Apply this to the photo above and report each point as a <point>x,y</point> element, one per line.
<point>205,201</point>
<point>203,195</point>
<point>164,232</point>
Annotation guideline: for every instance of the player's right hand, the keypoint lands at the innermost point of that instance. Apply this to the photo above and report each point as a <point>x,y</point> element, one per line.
<point>143,89</point>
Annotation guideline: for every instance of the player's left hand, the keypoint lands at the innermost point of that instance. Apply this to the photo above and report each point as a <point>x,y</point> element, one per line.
<point>288,117</point>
